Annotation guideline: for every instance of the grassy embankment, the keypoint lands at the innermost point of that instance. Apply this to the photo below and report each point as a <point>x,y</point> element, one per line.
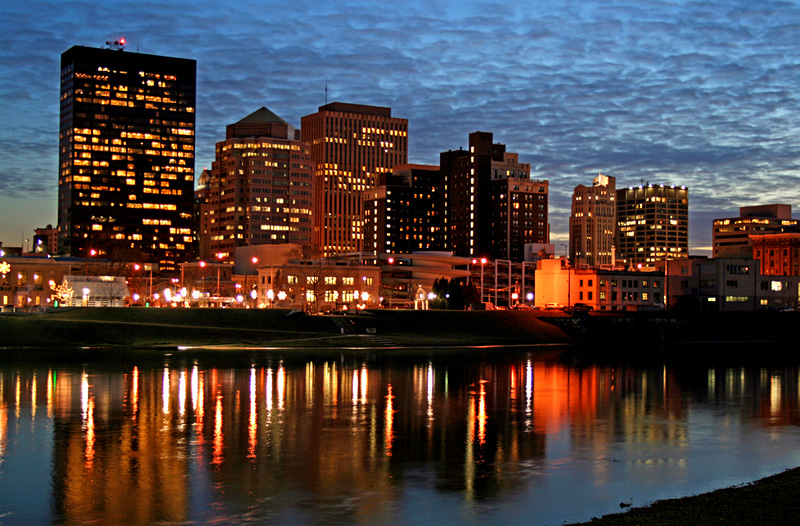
<point>272,327</point>
<point>172,327</point>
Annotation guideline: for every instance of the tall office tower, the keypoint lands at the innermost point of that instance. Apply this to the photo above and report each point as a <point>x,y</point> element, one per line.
<point>404,213</point>
<point>260,187</point>
<point>492,206</point>
<point>351,145</point>
<point>731,236</point>
<point>592,223</point>
<point>126,160</point>
<point>203,215</point>
<point>652,223</point>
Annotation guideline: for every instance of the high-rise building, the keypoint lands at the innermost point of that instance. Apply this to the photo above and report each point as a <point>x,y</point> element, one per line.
<point>731,236</point>
<point>351,145</point>
<point>126,156</point>
<point>403,213</point>
<point>259,190</point>
<point>592,223</point>
<point>652,223</point>
<point>492,206</point>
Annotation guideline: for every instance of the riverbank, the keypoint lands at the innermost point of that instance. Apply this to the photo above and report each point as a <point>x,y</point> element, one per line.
<point>273,328</point>
<point>772,500</point>
<point>83,327</point>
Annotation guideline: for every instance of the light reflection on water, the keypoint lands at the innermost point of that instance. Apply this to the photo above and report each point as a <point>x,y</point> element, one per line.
<point>468,440</point>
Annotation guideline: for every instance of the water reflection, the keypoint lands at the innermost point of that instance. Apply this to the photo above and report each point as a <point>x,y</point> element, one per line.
<point>345,441</point>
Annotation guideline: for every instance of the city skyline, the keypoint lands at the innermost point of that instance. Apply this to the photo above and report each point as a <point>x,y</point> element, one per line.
<point>685,93</point>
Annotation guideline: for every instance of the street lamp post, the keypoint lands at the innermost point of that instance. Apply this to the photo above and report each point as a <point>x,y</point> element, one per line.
<point>483,262</point>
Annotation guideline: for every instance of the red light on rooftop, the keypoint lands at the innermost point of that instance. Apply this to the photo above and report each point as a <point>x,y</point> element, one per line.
<point>122,41</point>
<point>202,264</point>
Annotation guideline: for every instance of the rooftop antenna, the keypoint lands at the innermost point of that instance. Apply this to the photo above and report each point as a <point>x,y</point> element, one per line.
<point>326,91</point>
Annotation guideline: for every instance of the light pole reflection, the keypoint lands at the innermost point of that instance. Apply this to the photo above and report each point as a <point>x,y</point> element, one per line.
<point>528,396</point>
<point>252,425</point>
<point>182,394</point>
<point>482,418</point>
<point>430,394</point>
<point>389,421</point>
<point>281,384</point>
<point>87,409</point>
<point>218,438</point>
<point>135,393</point>
<point>33,398</point>
<point>165,391</point>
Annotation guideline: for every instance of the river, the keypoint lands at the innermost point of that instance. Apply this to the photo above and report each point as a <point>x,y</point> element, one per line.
<point>510,436</point>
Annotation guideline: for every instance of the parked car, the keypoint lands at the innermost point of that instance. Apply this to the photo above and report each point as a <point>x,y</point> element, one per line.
<point>578,307</point>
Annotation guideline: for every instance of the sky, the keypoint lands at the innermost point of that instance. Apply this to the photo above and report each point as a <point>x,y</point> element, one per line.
<point>697,93</point>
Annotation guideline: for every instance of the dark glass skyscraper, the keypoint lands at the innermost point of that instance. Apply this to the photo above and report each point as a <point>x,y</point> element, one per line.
<point>126,161</point>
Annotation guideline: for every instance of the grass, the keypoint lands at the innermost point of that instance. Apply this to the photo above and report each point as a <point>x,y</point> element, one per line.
<point>268,327</point>
<point>773,500</point>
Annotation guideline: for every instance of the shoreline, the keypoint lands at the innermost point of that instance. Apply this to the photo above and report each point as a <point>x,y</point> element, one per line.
<point>385,329</point>
<point>774,499</point>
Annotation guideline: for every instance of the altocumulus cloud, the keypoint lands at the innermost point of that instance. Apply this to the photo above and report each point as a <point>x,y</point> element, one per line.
<point>700,93</point>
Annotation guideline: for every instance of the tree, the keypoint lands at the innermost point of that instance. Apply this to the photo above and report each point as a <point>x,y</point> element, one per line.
<point>471,294</point>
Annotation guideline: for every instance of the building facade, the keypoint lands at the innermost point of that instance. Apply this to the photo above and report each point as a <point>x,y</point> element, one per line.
<point>652,223</point>
<point>351,145</point>
<point>403,213</point>
<point>558,285</point>
<point>126,156</point>
<point>592,223</point>
<point>321,285</point>
<point>260,189</point>
<point>492,206</point>
<point>777,254</point>
<point>734,284</point>
<point>731,236</point>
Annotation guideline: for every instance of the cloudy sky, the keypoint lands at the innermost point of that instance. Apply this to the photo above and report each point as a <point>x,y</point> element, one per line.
<point>702,93</point>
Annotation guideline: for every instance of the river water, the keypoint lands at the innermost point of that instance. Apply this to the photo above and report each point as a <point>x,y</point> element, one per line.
<point>511,436</point>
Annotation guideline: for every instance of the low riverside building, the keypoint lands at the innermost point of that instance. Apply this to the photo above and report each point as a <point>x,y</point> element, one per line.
<point>28,282</point>
<point>731,284</point>
<point>93,291</point>
<point>558,285</point>
<point>318,285</point>
<point>404,275</point>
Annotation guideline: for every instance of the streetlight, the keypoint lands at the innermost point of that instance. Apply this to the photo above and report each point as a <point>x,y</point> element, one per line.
<point>254,295</point>
<point>270,297</point>
<point>86,296</point>
<point>483,262</point>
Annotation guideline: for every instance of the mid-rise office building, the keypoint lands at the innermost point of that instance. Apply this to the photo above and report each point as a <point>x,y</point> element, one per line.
<point>403,213</point>
<point>652,223</point>
<point>492,206</point>
<point>731,236</point>
<point>126,161</point>
<point>259,190</point>
<point>592,223</point>
<point>351,146</point>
